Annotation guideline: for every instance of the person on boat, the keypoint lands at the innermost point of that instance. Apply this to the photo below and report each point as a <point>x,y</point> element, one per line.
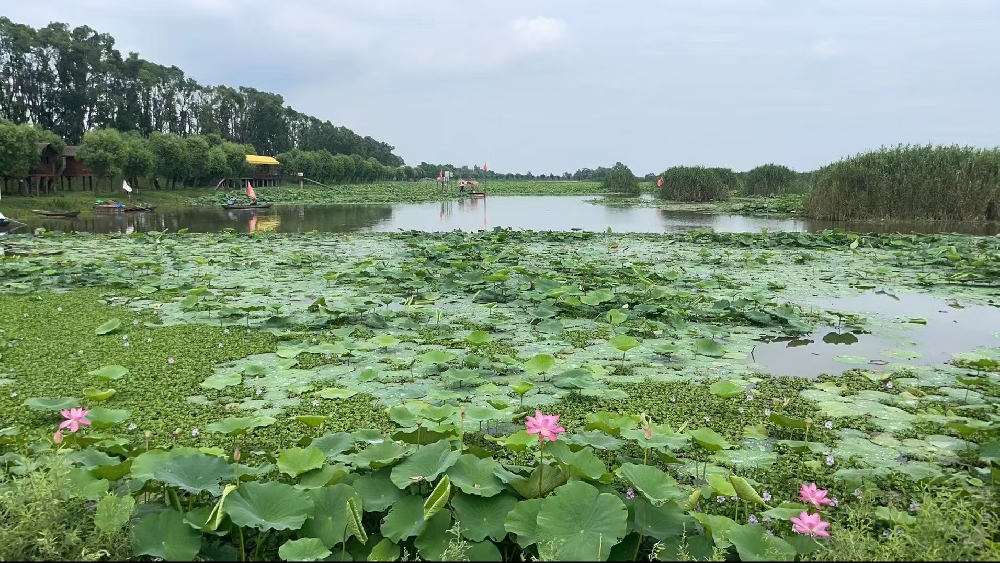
<point>231,201</point>
<point>253,201</point>
<point>461,189</point>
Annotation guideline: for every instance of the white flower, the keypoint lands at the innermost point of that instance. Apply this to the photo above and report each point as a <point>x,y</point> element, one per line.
<point>125,344</point>
<point>220,345</point>
<point>673,399</point>
<point>26,315</point>
<point>149,341</point>
<point>829,460</point>
<point>914,507</point>
<point>195,432</point>
<point>170,360</point>
<point>14,394</point>
<point>226,331</point>
<point>858,493</point>
<point>80,352</point>
<point>766,496</point>
<point>135,322</point>
<point>315,403</point>
<point>707,419</point>
<point>767,412</point>
<point>752,519</point>
<point>59,309</point>
<point>749,397</point>
<point>720,499</point>
<point>888,385</point>
<point>835,502</point>
<point>741,410</point>
<point>132,427</point>
<point>259,390</point>
<point>828,425</point>
<point>124,337</point>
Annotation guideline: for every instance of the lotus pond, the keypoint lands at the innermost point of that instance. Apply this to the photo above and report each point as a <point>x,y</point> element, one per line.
<point>366,396</point>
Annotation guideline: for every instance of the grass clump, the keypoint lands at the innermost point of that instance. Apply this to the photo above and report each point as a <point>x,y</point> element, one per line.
<point>621,181</point>
<point>910,182</point>
<point>771,180</point>
<point>696,183</point>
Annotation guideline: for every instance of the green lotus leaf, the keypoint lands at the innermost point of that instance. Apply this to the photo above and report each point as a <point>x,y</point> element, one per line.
<point>377,491</point>
<point>238,425</point>
<point>328,521</point>
<point>405,519</point>
<point>476,476</point>
<point>424,465</point>
<point>788,422</point>
<point>98,395</point>
<point>268,506</point>
<point>594,439</point>
<point>726,389</point>
<point>542,480</point>
<point>385,340</point>
<point>583,463</point>
<point>709,439</point>
<point>578,378</point>
<point>438,498</point>
<point>522,521</point>
<point>336,393</point>
<point>195,473</point>
<point>332,444</point>
<point>52,404</point>
<point>436,357</point>
<point>222,380</point>
<point>623,342</point>
<point>653,483</point>
<point>304,549</point>
<point>102,417</point>
<point>108,327</point>
<point>522,387</point>
<point>296,461</point>
<point>582,523</point>
<point>479,337</point>
<point>661,522</point>
<point>709,347</point>
<point>439,414</point>
<point>540,363</point>
<point>166,535</point>
<point>109,373</point>
<point>483,517</point>
<point>616,317</point>
<point>550,326</point>
<point>483,551</point>
<point>754,544</point>
<point>379,455</point>
<point>385,550</point>
<point>746,459</point>
<point>311,420</point>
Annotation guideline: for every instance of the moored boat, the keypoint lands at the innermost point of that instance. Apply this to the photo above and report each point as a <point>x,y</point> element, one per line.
<point>237,206</point>
<point>46,213</point>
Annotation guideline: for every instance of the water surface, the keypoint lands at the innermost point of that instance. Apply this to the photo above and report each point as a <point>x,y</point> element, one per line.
<point>557,213</point>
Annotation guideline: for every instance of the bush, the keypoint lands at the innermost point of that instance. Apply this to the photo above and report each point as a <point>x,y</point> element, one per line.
<point>693,183</point>
<point>770,180</point>
<point>621,181</point>
<point>910,182</point>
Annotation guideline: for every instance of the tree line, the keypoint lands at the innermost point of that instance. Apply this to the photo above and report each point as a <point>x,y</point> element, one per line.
<point>71,81</point>
<point>325,167</point>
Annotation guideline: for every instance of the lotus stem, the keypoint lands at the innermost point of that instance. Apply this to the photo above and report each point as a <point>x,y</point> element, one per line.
<point>243,552</point>
<point>541,464</point>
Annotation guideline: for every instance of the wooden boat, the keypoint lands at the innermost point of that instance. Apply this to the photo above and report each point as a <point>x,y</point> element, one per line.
<point>238,206</point>
<point>55,213</point>
<point>140,209</point>
<point>107,207</point>
<point>477,195</point>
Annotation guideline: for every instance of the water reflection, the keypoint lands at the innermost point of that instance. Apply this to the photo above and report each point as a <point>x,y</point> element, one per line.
<point>932,328</point>
<point>561,213</point>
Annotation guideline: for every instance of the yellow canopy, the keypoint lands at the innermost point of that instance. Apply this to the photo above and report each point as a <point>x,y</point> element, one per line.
<point>254,159</point>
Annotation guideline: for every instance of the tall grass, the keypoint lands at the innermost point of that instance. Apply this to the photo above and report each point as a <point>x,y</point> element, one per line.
<point>695,183</point>
<point>771,180</point>
<point>910,182</point>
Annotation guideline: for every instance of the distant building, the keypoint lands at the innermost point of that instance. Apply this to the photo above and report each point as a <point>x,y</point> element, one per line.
<point>264,172</point>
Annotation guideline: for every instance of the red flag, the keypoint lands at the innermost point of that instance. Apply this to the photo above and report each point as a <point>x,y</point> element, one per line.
<point>659,183</point>
<point>441,174</point>
<point>484,167</point>
<point>250,192</point>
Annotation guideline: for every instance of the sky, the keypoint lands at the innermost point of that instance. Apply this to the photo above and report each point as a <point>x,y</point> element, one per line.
<point>550,86</point>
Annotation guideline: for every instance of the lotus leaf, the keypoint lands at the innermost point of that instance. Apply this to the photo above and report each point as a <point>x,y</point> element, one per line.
<point>268,506</point>
<point>328,521</point>
<point>483,517</point>
<point>109,373</point>
<point>108,327</point>
<point>195,473</point>
<point>424,465</point>
<point>581,522</point>
<point>296,461</point>
<point>235,425</point>
<point>304,549</point>
<point>164,534</point>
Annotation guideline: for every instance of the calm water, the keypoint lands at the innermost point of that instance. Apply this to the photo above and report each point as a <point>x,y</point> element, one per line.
<point>559,213</point>
<point>951,328</point>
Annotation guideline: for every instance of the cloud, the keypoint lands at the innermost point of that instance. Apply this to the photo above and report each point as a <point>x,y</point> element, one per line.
<point>539,33</point>
<point>825,48</point>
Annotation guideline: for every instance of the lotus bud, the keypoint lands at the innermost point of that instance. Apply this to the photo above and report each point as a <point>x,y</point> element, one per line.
<point>236,454</point>
<point>58,438</point>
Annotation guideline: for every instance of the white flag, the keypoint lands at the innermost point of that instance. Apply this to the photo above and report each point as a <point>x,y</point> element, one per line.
<point>126,187</point>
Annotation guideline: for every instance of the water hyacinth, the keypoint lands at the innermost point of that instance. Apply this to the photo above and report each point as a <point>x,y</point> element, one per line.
<point>630,493</point>
<point>752,519</point>
<point>829,461</point>
<point>858,494</point>
<point>766,496</point>
<point>828,425</point>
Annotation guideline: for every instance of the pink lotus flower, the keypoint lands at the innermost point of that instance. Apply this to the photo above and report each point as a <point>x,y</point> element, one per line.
<point>810,524</point>
<point>817,497</point>
<point>649,432</point>
<point>545,425</point>
<point>74,419</point>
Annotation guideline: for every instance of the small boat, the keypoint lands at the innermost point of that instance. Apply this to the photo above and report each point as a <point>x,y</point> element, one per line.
<point>477,195</point>
<point>55,213</point>
<point>4,221</point>
<point>237,206</point>
<point>107,207</point>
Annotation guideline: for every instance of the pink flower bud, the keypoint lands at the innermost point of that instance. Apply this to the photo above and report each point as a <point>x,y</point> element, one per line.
<point>58,438</point>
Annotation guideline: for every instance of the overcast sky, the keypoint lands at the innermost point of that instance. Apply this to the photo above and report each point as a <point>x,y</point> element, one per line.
<point>556,85</point>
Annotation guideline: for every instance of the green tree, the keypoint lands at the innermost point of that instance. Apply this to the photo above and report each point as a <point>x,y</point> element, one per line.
<point>620,181</point>
<point>18,151</point>
<point>103,151</point>
<point>170,156</point>
<point>137,159</point>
